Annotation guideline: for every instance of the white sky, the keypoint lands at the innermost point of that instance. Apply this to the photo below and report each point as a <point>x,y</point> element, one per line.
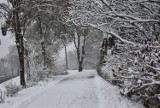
<point>6,41</point>
<point>2,1</point>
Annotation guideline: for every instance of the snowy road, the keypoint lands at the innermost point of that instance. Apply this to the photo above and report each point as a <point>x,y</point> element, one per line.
<point>83,90</point>
<point>76,91</point>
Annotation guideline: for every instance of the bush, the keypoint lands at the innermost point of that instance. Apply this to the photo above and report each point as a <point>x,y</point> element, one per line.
<point>12,89</point>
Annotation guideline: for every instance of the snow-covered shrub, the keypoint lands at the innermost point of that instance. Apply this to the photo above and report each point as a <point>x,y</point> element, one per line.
<point>38,75</point>
<point>59,70</point>
<point>12,89</point>
<point>137,72</point>
<point>42,75</point>
<point>132,54</point>
<point>31,83</point>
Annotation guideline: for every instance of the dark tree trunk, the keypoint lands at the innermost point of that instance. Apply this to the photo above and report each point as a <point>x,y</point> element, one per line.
<point>82,57</point>
<point>22,71</point>
<point>19,42</point>
<point>79,56</point>
<point>20,47</point>
<point>80,53</point>
<point>80,66</point>
<point>43,42</point>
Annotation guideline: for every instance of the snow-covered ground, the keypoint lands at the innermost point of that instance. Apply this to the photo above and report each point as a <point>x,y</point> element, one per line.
<point>77,90</point>
<point>27,96</point>
<point>109,96</point>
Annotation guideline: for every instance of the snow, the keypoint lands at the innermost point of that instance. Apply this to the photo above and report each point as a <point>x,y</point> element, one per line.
<point>98,3</point>
<point>139,81</point>
<point>76,90</point>
<point>108,95</point>
<point>112,33</point>
<point>15,81</point>
<point>130,70</point>
<point>27,96</point>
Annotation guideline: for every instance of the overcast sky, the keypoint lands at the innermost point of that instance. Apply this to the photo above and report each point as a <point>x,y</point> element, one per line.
<point>6,41</point>
<point>2,1</point>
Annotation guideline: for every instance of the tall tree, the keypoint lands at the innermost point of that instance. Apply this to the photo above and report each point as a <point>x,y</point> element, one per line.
<point>12,12</point>
<point>131,41</point>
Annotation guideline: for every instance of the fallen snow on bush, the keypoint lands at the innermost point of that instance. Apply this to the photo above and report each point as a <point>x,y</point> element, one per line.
<point>15,81</point>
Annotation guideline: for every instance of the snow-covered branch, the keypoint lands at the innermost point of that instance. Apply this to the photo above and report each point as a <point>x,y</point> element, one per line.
<point>113,34</point>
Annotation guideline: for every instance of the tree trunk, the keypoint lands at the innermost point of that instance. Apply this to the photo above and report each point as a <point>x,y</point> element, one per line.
<point>20,47</point>
<point>79,61</point>
<point>19,43</point>
<point>80,53</point>
<point>66,56</point>
<point>79,56</point>
<point>43,41</point>
<point>28,68</point>
<point>80,66</point>
<point>22,73</point>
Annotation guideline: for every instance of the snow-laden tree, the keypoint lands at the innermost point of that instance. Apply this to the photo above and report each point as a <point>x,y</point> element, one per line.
<point>12,12</point>
<point>130,48</point>
<point>20,14</point>
<point>134,58</point>
<point>91,56</point>
<point>45,35</point>
<point>82,12</point>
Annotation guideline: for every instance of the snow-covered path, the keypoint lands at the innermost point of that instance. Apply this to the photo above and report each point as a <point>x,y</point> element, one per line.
<point>75,91</point>
<point>82,90</point>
